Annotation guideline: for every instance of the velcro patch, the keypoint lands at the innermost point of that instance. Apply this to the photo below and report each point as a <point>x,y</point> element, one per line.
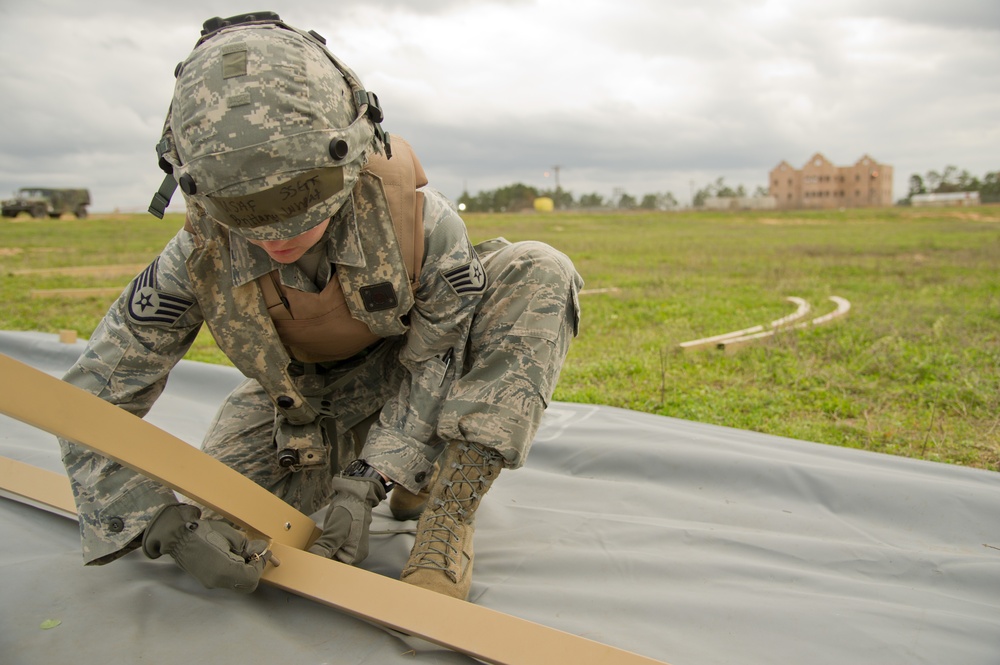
<point>469,279</point>
<point>378,297</point>
<point>149,306</point>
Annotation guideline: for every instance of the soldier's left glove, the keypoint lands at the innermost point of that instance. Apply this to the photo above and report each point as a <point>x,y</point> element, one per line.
<point>219,556</point>
<point>345,529</point>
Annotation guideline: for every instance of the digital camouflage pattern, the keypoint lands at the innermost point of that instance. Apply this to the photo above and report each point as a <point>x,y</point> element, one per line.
<point>469,353</point>
<point>264,137</point>
<point>365,261</point>
<point>477,367</point>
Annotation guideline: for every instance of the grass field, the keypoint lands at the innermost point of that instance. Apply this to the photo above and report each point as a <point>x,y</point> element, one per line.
<point>913,369</point>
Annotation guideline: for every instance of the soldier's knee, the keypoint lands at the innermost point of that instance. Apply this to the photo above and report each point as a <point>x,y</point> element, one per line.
<point>544,262</point>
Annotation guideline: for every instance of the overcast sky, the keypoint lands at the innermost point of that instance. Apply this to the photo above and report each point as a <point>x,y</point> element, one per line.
<point>648,96</point>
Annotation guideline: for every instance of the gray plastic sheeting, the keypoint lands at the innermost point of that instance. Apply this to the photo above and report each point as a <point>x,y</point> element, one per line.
<point>689,543</point>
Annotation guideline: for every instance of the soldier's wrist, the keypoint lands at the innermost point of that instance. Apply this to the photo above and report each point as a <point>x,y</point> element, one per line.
<point>359,468</point>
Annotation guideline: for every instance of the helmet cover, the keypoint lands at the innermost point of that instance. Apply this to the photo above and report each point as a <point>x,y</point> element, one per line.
<point>268,136</point>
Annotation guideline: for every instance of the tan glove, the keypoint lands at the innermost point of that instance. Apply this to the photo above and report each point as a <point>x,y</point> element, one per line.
<point>345,529</point>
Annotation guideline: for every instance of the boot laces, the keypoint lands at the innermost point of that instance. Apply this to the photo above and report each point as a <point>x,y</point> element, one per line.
<point>470,476</point>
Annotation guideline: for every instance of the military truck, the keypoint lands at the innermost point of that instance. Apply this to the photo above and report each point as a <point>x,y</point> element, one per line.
<point>42,201</point>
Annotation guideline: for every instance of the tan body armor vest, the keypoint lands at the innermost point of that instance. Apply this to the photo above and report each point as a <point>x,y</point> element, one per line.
<point>260,333</point>
<point>324,326</point>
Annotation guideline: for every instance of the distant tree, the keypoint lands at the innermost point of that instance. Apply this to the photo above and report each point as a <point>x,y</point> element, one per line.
<point>665,201</point>
<point>699,197</point>
<point>718,188</point>
<point>515,197</point>
<point>562,199</point>
<point>466,200</point>
<point>991,183</point>
<point>968,182</point>
<point>722,189</point>
<point>917,185</point>
<point>593,200</point>
<point>947,180</point>
<point>933,179</point>
<point>951,179</point>
<point>944,181</point>
<point>481,202</point>
<point>627,201</point>
<point>760,191</point>
<point>989,190</point>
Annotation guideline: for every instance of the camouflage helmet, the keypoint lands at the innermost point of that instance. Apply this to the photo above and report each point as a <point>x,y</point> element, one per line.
<point>267,129</point>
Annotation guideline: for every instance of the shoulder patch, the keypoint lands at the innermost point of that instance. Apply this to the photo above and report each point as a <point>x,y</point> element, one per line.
<point>147,305</point>
<point>469,279</point>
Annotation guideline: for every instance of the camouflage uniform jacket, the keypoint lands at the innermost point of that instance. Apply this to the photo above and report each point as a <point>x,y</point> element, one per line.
<point>154,322</point>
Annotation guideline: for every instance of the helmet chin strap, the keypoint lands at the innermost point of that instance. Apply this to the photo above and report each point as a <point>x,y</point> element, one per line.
<point>161,199</point>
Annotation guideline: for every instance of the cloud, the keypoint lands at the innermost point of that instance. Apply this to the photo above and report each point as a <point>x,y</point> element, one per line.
<point>963,14</point>
<point>492,93</point>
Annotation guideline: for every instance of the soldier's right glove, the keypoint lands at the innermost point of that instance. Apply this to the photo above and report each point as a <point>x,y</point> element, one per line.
<point>345,529</point>
<point>216,554</point>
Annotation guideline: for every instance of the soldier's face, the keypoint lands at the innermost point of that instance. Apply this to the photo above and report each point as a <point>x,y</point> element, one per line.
<point>291,250</point>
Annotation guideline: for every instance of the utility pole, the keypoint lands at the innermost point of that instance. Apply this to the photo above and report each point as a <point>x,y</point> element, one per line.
<point>555,169</point>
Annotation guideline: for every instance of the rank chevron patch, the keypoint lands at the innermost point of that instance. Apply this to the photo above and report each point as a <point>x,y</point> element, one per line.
<point>147,305</point>
<point>469,279</point>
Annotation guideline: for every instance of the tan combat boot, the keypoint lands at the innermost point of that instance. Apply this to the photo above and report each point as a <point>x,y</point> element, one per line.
<point>441,558</point>
<point>405,505</point>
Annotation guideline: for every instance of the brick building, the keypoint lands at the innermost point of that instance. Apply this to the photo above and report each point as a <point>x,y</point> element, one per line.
<point>820,184</point>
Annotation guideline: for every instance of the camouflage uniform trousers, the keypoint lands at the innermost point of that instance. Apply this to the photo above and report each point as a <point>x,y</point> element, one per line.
<point>518,342</point>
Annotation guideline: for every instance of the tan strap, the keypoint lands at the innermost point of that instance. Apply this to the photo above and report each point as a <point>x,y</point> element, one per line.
<point>37,485</point>
<point>26,394</point>
<point>401,177</point>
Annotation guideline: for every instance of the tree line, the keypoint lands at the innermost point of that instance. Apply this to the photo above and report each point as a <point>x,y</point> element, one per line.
<point>719,189</point>
<point>518,197</point>
<point>951,179</point>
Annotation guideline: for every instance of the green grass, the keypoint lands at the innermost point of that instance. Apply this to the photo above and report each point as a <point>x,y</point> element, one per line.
<point>913,370</point>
